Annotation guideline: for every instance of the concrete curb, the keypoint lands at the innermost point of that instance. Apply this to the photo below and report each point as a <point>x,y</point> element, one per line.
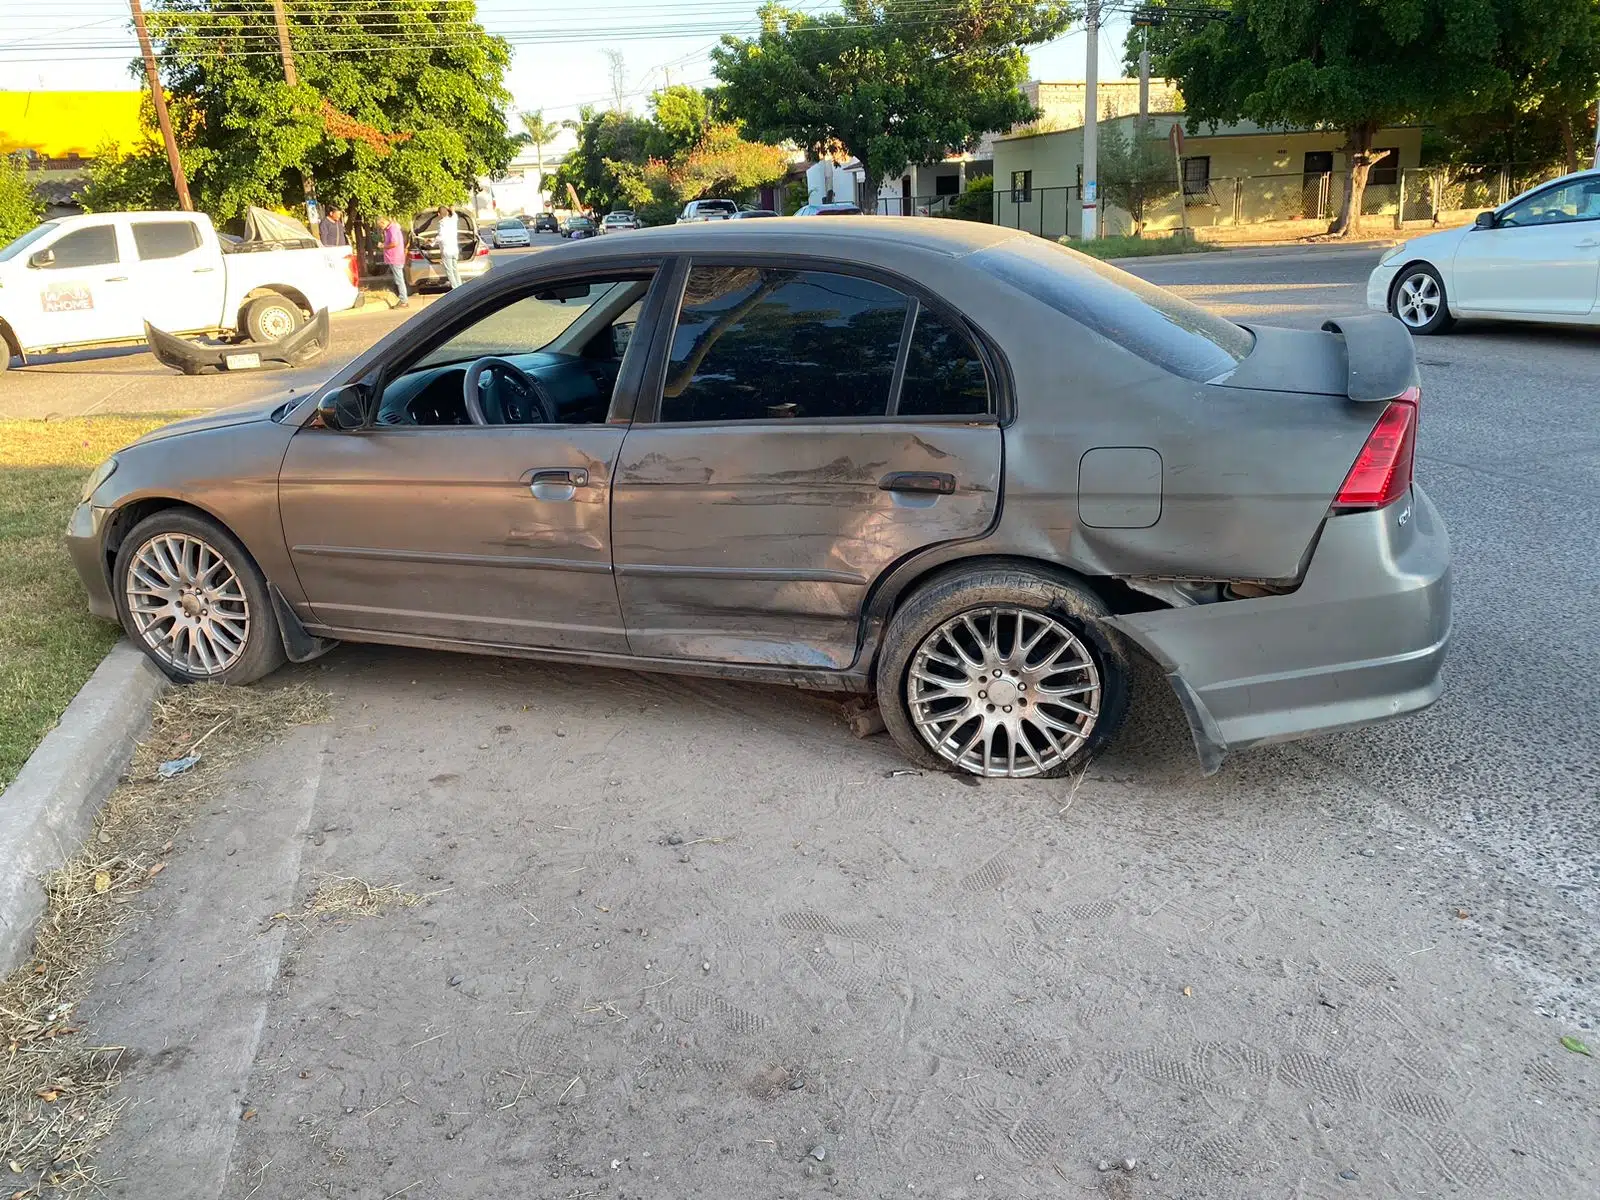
<point>1300,249</point>
<point>50,807</point>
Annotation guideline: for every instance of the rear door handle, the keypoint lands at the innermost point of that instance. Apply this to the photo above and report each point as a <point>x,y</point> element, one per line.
<point>116,279</point>
<point>938,483</point>
<point>1589,243</point>
<point>204,270</point>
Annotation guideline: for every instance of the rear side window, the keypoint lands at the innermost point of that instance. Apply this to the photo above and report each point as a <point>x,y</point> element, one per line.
<point>1158,326</point>
<point>944,375</point>
<point>755,344</point>
<point>164,239</point>
<point>91,247</point>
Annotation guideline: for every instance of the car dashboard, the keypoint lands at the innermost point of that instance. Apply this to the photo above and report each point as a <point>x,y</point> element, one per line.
<point>579,387</point>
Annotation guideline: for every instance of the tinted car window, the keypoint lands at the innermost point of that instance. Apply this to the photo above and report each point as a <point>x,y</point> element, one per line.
<point>165,239</point>
<point>760,344</point>
<point>86,247</point>
<point>1159,327</point>
<point>944,375</point>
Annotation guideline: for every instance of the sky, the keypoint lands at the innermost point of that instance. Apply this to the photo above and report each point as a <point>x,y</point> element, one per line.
<point>558,64</point>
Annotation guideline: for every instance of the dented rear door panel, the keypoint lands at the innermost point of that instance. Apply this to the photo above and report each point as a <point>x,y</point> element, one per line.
<point>757,542</point>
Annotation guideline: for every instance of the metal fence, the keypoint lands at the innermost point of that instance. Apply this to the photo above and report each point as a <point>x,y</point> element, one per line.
<point>1414,194</point>
<point>915,206</point>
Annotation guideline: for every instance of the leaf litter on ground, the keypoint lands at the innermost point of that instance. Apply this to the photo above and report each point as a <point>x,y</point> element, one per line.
<point>57,1085</point>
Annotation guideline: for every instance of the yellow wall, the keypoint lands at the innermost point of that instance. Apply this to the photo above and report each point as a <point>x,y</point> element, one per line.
<point>59,124</point>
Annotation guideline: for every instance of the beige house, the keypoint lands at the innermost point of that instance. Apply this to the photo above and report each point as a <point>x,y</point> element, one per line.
<point>1237,175</point>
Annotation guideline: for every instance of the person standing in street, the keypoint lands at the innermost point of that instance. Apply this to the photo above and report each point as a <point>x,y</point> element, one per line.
<point>450,245</point>
<point>330,230</point>
<point>394,257</point>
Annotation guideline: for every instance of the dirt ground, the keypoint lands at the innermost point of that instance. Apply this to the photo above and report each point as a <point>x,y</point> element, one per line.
<point>678,938</point>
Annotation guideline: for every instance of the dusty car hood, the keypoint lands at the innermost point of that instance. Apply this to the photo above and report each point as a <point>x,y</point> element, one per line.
<point>238,414</point>
<point>1437,247</point>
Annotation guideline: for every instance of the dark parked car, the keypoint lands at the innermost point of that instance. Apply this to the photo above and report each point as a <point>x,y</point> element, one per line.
<point>546,223</point>
<point>954,466</point>
<point>745,214</point>
<point>578,227</point>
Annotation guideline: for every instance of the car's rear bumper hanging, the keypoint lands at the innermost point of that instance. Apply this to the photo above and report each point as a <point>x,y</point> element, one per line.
<point>1362,639</point>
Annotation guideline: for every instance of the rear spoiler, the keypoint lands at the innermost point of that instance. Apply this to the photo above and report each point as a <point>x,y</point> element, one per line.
<point>1381,361</point>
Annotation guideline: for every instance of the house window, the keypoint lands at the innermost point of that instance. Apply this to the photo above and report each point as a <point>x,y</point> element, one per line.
<point>1387,169</point>
<point>1022,187</point>
<point>946,185</point>
<point>1197,175</point>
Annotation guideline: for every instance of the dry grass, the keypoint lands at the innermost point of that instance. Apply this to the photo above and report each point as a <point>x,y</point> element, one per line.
<point>57,1085</point>
<point>49,644</point>
<point>339,899</point>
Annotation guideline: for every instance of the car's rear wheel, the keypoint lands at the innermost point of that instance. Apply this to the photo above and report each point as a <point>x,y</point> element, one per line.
<point>270,318</point>
<point>1004,673</point>
<point>193,599</point>
<point>1418,299</point>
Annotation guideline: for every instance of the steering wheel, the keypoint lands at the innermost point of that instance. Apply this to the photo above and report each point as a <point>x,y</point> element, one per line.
<point>481,389</point>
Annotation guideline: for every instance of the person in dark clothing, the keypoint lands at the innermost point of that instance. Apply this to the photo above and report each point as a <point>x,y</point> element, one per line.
<point>330,230</point>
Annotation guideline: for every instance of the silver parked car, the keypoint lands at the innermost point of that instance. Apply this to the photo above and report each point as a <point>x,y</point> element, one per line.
<point>707,210</point>
<point>617,222</point>
<point>422,257</point>
<point>952,466</point>
<point>510,233</point>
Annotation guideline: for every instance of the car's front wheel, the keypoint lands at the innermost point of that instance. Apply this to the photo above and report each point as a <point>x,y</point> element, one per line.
<point>270,318</point>
<point>1002,672</point>
<point>193,599</point>
<point>1418,300</point>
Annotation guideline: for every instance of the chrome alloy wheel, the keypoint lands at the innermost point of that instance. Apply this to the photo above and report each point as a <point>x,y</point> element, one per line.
<point>1416,301</point>
<point>187,604</point>
<point>1003,691</point>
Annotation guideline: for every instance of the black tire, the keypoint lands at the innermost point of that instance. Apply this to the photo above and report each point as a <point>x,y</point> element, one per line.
<point>948,597</point>
<point>262,645</point>
<point>269,318</point>
<point>1409,307</point>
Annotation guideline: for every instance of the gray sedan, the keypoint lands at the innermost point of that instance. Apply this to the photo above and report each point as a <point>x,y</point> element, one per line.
<point>959,469</point>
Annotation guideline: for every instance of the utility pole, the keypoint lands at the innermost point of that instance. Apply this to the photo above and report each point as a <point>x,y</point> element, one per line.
<point>293,80</point>
<point>1597,135</point>
<point>179,179</point>
<point>1144,78</point>
<point>1091,120</point>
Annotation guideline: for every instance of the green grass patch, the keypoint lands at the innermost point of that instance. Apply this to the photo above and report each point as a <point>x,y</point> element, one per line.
<point>49,644</point>
<point>1139,247</point>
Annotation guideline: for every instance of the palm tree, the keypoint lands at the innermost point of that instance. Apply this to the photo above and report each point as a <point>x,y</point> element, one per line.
<point>539,133</point>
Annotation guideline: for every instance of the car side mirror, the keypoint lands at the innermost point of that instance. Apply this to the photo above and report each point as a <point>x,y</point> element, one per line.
<point>42,258</point>
<point>344,408</point>
<point>1486,220</point>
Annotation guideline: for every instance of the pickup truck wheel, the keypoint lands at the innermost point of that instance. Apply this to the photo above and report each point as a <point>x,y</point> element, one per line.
<point>272,318</point>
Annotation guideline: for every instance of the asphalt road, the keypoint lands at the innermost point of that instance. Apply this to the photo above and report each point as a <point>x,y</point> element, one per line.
<point>685,936</point>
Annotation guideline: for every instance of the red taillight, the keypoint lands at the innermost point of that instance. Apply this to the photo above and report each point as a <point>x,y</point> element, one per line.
<point>353,269</point>
<point>1382,471</point>
<point>418,256</point>
<point>482,251</point>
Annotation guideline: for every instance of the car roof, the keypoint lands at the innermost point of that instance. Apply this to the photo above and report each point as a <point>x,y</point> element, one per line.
<point>833,239</point>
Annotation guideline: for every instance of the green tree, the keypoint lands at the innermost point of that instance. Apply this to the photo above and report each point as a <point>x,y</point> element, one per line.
<point>20,206</point>
<point>890,81</point>
<point>386,117</point>
<point>1135,171</point>
<point>1361,65</point>
<point>604,167</point>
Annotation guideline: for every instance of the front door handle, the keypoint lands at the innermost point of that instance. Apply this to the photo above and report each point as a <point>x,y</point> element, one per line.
<point>938,483</point>
<point>1589,243</point>
<point>571,476</point>
<point>204,270</point>
<point>116,279</point>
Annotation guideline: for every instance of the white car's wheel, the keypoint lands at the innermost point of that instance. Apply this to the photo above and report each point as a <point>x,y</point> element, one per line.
<point>1418,300</point>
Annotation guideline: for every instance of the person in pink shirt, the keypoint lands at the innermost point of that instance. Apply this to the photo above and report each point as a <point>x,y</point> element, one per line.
<point>394,257</point>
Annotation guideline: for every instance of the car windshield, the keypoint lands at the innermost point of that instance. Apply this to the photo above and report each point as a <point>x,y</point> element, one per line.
<point>509,225</point>
<point>1158,326</point>
<point>15,248</point>
<point>718,206</point>
<point>529,324</point>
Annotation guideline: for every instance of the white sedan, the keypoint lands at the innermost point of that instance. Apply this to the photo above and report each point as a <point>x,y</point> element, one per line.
<point>1536,258</point>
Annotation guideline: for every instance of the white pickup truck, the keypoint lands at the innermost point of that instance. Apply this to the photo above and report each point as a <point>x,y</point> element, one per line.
<point>95,280</point>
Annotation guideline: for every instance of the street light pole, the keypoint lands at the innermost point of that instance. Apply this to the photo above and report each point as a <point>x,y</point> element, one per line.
<point>180,181</point>
<point>1091,119</point>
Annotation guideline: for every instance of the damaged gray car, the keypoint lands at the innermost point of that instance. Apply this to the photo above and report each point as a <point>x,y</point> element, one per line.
<point>956,468</point>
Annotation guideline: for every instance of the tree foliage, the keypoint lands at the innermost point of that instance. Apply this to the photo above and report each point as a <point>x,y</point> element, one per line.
<point>1135,171</point>
<point>20,206</point>
<point>890,81</point>
<point>387,116</point>
<point>654,165</point>
<point>1360,65</point>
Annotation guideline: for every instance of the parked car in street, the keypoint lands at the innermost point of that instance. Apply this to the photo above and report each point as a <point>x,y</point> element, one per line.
<point>831,209</point>
<point>618,222</point>
<point>707,210</point>
<point>509,233</point>
<point>744,214</point>
<point>546,222</point>
<point>578,227</point>
<point>873,457</point>
<point>1535,258</point>
<point>95,280</point>
<point>422,258</point>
